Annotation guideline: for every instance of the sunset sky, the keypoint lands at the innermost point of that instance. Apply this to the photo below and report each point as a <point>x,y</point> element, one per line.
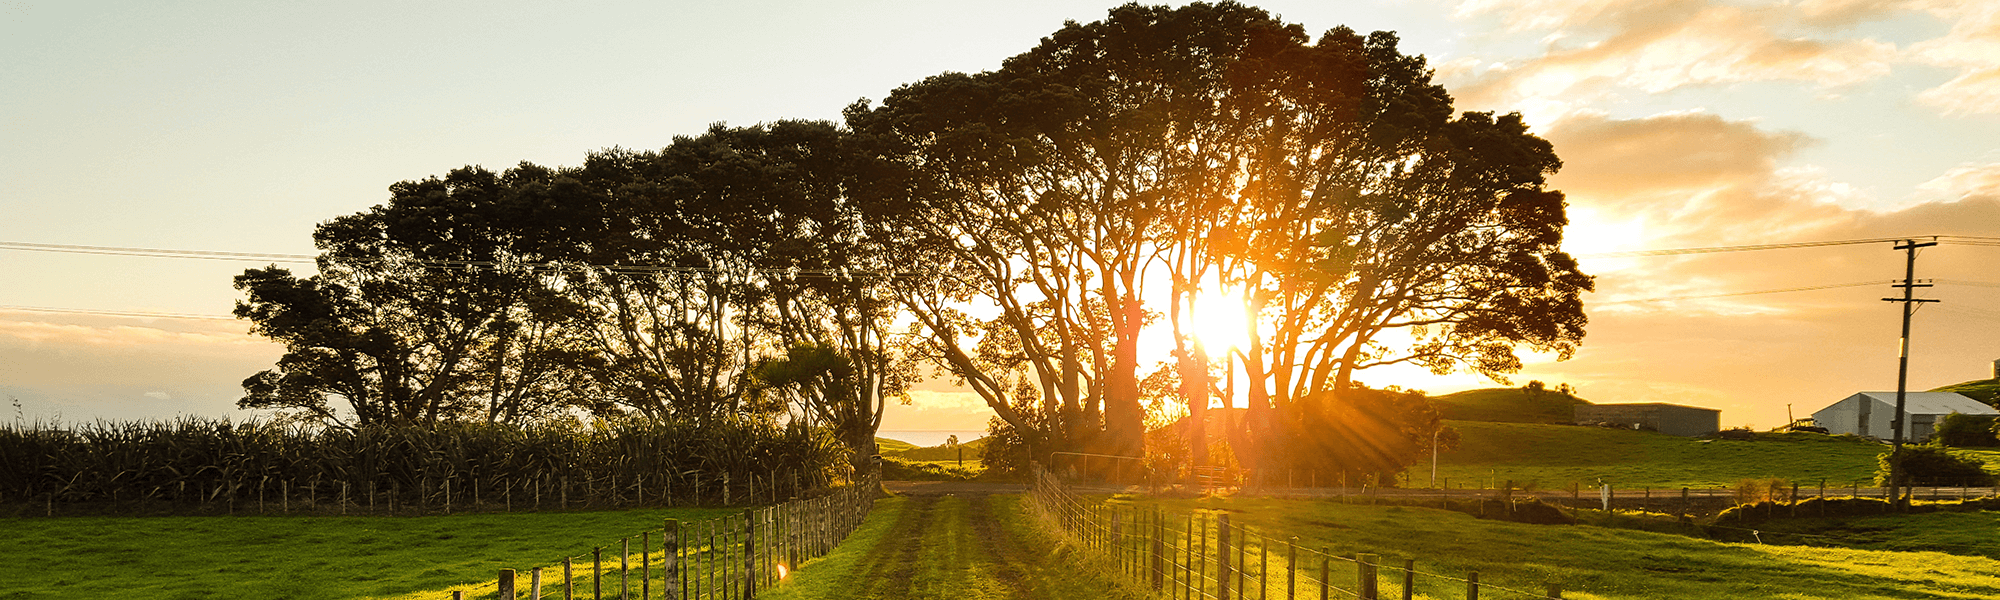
<point>238,126</point>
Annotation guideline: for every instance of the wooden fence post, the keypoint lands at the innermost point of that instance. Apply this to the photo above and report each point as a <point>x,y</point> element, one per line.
<point>506,584</point>
<point>569,581</point>
<point>535,584</point>
<point>1222,557</point>
<point>1292,568</point>
<point>1325,572</point>
<point>597,573</point>
<point>645,565</point>
<point>1187,554</point>
<point>625,569</point>
<point>750,551</point>
<point>1364,577</point>
<point>1159,548</point>
<point>670,564</point>
<point>1201,560</point>
<point>1471,585</point>
<point>1242,563</point>
<point>1409,578</point>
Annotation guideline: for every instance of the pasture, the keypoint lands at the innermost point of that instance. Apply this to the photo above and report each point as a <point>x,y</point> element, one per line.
<point>1554,456</point>
<point>1597,562</point>
<point>295,557</point>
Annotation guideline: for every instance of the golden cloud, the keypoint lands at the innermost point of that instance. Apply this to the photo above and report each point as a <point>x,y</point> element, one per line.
<point>1967,180</point>
<point>1696,179</point>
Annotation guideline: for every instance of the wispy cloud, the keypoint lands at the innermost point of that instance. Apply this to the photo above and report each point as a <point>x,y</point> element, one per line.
<point>1972,47</point>
<point>1596,48</point>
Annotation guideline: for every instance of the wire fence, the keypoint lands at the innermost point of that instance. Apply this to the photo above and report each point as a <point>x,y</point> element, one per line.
<point>1468,493</point>
<point>1205,555</point>
<point>732,556</point>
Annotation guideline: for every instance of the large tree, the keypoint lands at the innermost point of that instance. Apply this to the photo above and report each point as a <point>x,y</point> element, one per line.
<point>419,312</point>
<point>1063,175</point>
<point>1326,182</point>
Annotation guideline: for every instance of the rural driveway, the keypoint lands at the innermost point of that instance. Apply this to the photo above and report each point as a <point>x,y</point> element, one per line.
<point>963,488</point>
<point>949,540</point>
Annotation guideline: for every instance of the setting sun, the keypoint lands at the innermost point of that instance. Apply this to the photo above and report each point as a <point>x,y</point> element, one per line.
<point>1219,321</point>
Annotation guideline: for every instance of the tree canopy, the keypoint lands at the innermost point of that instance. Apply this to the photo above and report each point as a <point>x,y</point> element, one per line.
<point>1028,231</point>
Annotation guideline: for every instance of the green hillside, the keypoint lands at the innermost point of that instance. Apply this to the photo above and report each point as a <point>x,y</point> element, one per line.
<point>1509,405</point>
<point>1553,456</point>
<point>1983,390</point>
<point>973,450</point>
<point>889,447</point>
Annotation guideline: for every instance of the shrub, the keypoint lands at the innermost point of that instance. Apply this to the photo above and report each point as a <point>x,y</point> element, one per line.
<point>897,469</point>
<point>1751,491</point>
<point>1931,464</point>
<point>1958,429</point>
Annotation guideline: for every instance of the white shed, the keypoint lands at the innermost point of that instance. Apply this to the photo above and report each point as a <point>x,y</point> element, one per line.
<point>1869,413</point>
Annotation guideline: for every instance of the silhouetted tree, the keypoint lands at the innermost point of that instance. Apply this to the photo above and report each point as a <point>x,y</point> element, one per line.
<point>419,313</point>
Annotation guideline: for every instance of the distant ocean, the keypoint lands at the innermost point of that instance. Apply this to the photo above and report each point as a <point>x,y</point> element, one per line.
<point>931,437</point>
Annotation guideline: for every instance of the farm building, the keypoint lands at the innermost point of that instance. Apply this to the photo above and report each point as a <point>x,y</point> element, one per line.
<point>1665,418</point>
<point>1868,413</point>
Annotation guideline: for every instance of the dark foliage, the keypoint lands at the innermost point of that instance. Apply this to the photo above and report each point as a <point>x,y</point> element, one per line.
<point>1959,429</point>
<point>210,462</point>
<point>1930,464</point>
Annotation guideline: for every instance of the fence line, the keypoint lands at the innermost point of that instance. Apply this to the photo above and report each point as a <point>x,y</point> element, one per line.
<point>1121,471</point>
<point>727,557</point>
<point>1199,556</point>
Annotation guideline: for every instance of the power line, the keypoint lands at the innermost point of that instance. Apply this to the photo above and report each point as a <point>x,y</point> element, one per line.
<point>1742,248</point>
<point>443,264</point>
<point>156,252</point>
<point>1758,292</point>
<point>1956,240</point>
<point>114,313</point>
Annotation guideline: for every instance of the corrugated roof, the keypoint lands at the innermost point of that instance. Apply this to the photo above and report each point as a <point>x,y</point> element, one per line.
<point>1934,403</point>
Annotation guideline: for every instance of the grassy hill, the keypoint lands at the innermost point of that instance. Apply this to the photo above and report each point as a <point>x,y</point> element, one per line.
<point>1509,405</point>
<point>939,453</point>
<point>1983,390</point>
<point>1552,456</point>
<point>889,447</point>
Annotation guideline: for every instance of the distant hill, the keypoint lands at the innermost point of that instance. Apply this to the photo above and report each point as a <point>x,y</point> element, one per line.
<point>908,451</point>
<point>1983,390</point>
<point>889,447</point>
<point>1509,405</point>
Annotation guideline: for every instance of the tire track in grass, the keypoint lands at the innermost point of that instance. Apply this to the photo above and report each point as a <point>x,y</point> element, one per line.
<point>886,570</point>
<point>952,547</point>
<point>1001,548</point>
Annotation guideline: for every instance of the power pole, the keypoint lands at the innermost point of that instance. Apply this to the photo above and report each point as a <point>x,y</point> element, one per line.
<point>1909,285</point>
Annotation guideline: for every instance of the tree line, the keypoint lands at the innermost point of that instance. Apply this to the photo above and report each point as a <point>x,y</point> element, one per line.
<point>1015,230</point>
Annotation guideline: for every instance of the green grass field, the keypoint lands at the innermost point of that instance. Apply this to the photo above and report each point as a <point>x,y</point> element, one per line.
<point>1553,456</point>
<point>950,547</point>
<point>1595,562</point>
<point>304,558</point>
<point>1961,533</point>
